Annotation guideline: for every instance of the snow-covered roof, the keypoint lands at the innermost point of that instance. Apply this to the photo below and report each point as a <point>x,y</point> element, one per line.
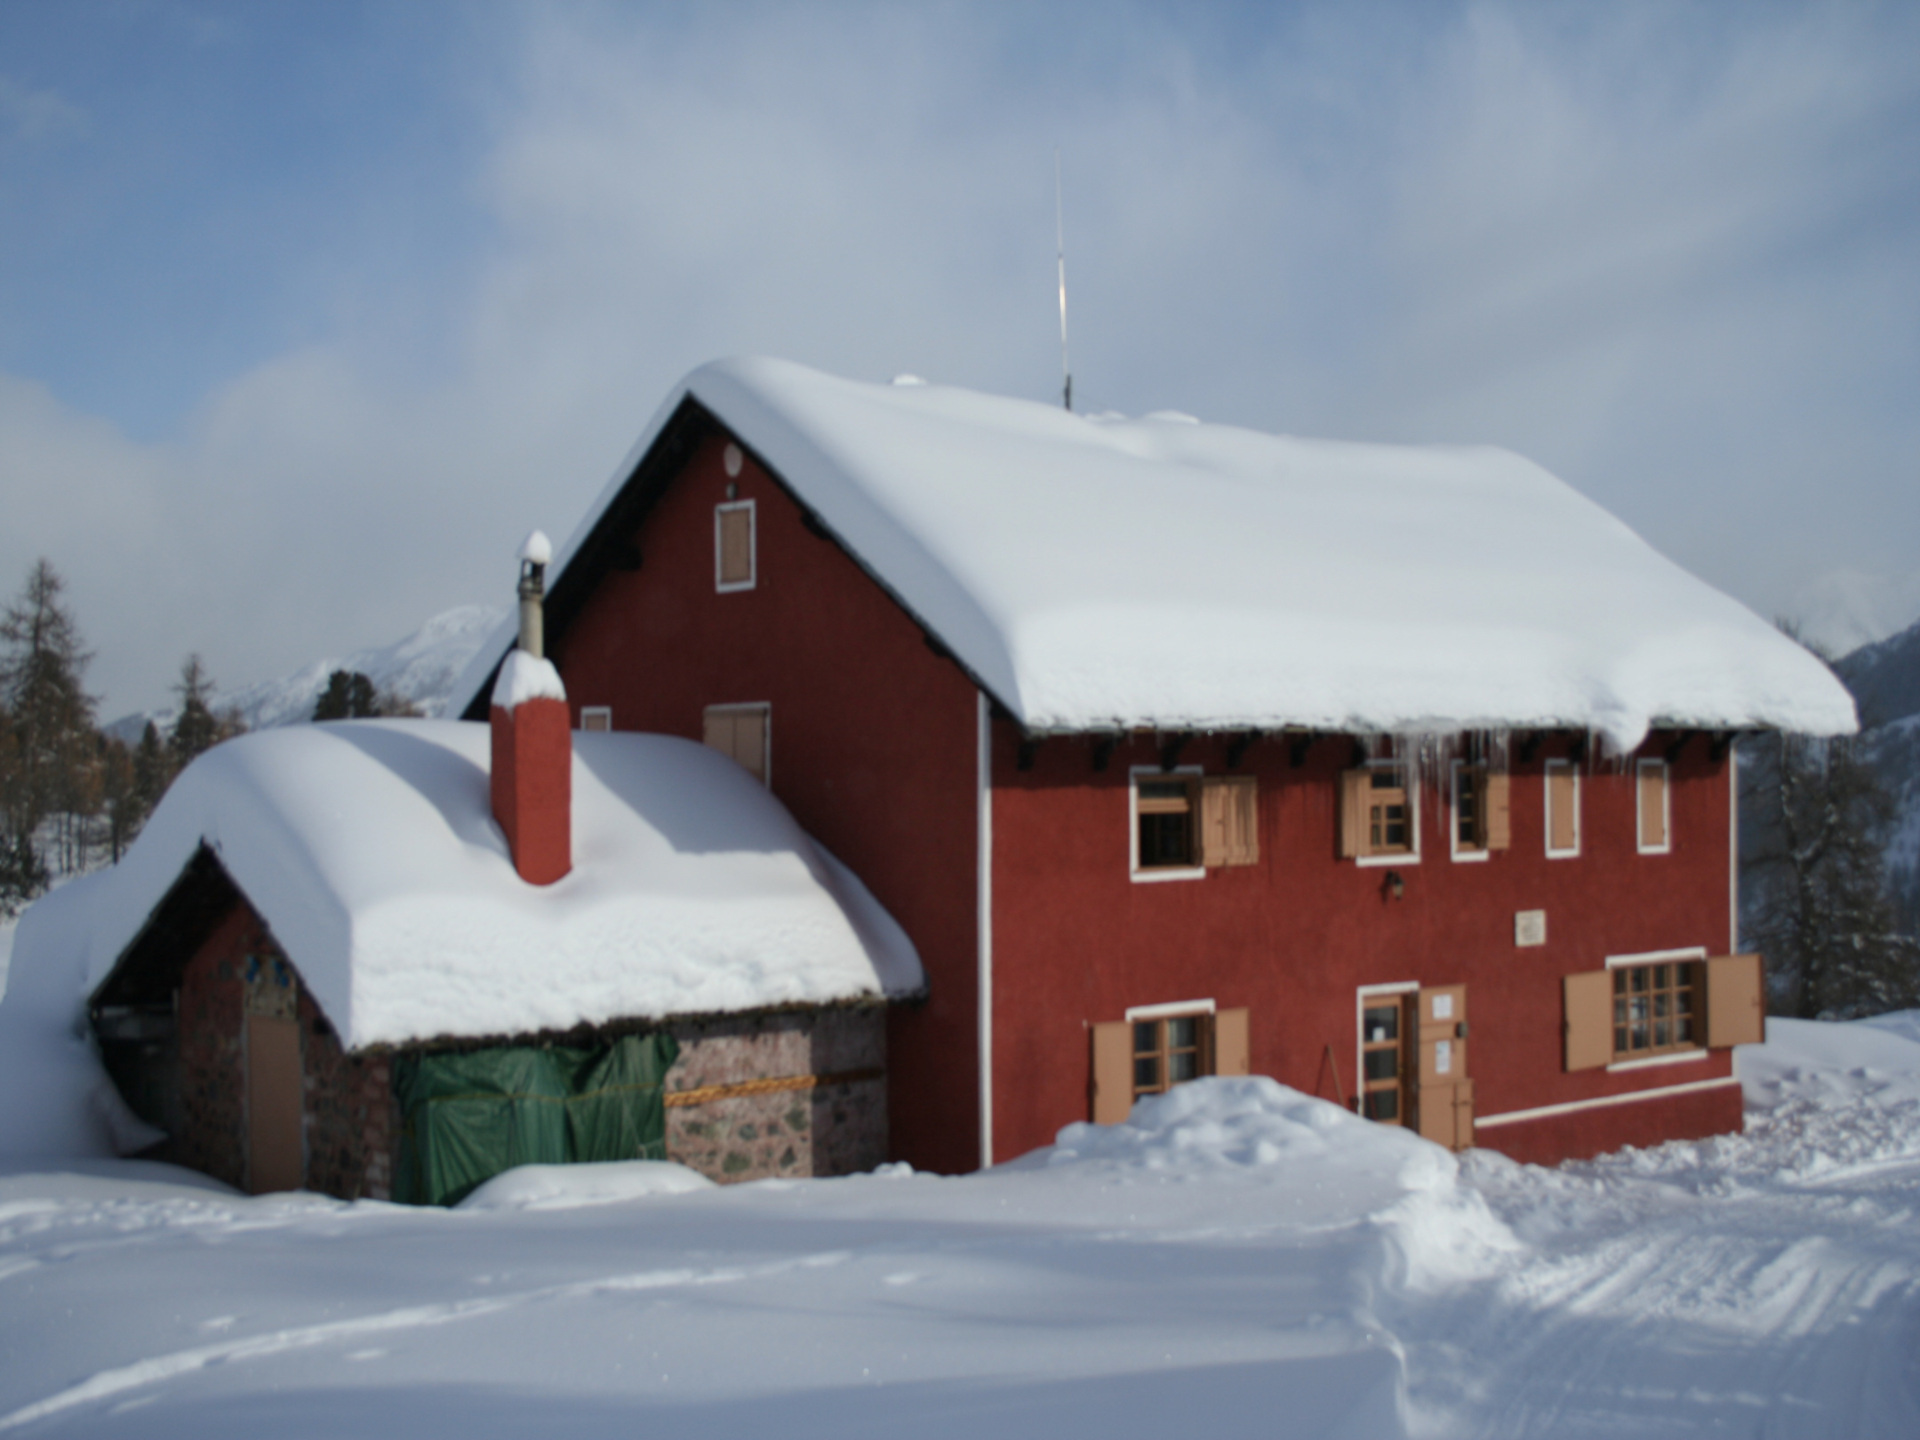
<point>1096,572</point>
<point>370,850</point>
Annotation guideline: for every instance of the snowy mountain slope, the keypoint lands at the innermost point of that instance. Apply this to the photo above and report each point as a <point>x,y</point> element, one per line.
<point>420,669</point>
<point>1885,681</point>
<point>1236,1253</point>
<point>1885,677</point>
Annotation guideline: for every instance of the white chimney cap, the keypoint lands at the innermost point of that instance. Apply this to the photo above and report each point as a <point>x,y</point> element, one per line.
<point>537,549</point>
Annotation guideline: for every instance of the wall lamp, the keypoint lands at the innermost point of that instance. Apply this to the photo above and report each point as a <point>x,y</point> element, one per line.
<point>1392,887</point>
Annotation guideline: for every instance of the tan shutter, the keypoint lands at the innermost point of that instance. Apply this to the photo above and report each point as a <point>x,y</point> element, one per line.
<point>1653,806</point>
<point>1110,1084</point>
<point>1355,786</point>
<point>717,731</point>
<point>1562,811</point>
<point>275,1158</point>
<point>1443,1036</point>
<point>750,742</point>
<point>1230,821</point>
<point>1463,1115</point>
<point>1588,997</point>
<point>1215,845</point>
<point>736,545</point>
<point>1736,1001</point>
<point>1496,810</point>
<point>1231,1055</point>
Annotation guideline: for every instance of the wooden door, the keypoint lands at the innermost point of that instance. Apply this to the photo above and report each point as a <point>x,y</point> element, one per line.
<point>1386,1058</point>
<point>275,1158</point>
<point>1445,1104</point>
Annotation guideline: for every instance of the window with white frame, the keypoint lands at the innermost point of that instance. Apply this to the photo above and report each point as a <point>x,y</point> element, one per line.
<point>1379,813</point>
<point>744,732</point>
<point>1563,809</point>
<point>1478,821</point>
<point>596,717</point>
<point>1185,823</point>
<point>734,546</point>
<point>1653,807</point>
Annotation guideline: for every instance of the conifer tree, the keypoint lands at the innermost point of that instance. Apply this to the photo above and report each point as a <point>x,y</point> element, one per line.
<point>1815,895</point>
<point>348,696</point>
<point>51,718</point>
<point>195,729</point>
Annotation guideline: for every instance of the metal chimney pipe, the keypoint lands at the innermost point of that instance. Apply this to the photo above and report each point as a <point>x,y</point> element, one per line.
<point>535,554</point>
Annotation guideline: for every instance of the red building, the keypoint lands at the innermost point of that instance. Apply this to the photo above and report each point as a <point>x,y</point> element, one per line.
<point>1401,775</point>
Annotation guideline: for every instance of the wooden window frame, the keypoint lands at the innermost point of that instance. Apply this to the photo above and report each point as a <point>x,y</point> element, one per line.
<point>591,713</point>
<point>1554,767</point>
<point>1641,771</point>
<point>1405,994</point>
<point>762,708</point>
<point>1224,1048</point>
<point>1189,775</point>
<point>1364,853</point>
<point>1621,968</point>
<point>721,584</point>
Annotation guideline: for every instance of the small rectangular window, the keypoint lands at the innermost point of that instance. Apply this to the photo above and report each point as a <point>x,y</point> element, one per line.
<point>1166,824</point>
<point>744,732</point>
<point>1379,813</point>
<point>596,717</point>
<point>1654,1008</point>
<point>734,546</point>
<point>1480,823</point>
<point>1563,809</point>
<point>1650,777</point>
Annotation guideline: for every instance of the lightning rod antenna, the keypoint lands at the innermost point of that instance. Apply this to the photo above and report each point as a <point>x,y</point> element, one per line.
<point>1060,236</point>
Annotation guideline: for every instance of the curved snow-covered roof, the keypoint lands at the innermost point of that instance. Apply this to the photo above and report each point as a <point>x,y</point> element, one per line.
<point>370,850</point>
<point>1095,572</point>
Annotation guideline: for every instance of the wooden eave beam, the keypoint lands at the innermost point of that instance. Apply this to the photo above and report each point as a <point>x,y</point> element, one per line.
<point>1237,750</point>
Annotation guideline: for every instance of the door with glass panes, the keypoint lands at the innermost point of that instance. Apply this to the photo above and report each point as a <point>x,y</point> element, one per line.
<point>1413,1062</point>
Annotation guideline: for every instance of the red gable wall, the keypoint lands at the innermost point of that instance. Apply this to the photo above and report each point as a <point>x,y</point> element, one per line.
<point>874,742</point>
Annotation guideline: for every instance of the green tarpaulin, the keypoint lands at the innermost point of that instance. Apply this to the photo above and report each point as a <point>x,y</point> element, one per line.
<point>468,1115</point>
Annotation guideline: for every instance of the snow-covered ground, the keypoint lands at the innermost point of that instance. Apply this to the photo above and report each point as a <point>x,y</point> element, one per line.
<point>1237,1260</point>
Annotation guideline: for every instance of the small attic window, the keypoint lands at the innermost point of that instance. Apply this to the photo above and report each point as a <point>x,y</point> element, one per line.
<point>733,546</point>
<point>596,717</point>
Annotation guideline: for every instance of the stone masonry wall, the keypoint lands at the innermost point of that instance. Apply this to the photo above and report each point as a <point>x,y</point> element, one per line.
<point>831,1129</point>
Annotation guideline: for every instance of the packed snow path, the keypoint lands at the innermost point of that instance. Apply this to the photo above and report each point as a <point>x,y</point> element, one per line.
<point>1239,1260</point>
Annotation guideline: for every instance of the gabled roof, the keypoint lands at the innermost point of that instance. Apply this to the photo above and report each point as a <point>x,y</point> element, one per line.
<point>369,849</point>
<point>1094,572</point>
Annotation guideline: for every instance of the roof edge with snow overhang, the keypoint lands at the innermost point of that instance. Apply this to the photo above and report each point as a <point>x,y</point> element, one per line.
<point>1094,573</point>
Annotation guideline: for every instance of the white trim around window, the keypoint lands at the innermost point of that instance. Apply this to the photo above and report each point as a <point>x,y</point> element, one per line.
<point>1642,769</point>
<point>1411,855</point>
<point>1454,847</point>
<point>1189,773</point>
<point>596,717</point>
<point>1560,767</point>
<point>1171,1008</point>
<point>721,584</point>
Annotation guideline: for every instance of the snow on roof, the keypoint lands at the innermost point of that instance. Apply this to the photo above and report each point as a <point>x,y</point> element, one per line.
<point>370,850</point>
<point>1096,572</point>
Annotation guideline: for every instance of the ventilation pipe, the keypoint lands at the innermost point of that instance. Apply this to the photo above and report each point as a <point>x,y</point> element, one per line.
<point>532,774</point>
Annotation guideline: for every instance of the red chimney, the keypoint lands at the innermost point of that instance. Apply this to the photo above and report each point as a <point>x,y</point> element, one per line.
<point>532,778</point>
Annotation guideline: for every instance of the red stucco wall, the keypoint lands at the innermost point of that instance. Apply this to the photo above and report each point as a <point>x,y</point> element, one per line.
<point>873,743</point>
<point>1077,940</point>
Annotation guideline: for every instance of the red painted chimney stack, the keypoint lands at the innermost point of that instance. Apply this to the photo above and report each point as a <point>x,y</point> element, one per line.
<point>532,777</point>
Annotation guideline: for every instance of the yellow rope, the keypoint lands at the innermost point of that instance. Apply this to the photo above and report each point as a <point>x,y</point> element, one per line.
<point>769,1086</point>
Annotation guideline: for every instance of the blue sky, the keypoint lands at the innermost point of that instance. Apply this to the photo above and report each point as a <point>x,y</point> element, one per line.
<point>309,312</point>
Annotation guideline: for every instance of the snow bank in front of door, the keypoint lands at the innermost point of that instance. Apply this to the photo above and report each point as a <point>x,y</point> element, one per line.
<point>1434,1229</point>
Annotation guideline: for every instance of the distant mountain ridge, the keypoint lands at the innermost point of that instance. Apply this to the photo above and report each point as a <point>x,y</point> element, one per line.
<point>420,669</point>
<point>1885,680</point>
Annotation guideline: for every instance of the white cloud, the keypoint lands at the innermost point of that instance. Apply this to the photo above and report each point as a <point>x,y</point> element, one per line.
<point>1672,262</point>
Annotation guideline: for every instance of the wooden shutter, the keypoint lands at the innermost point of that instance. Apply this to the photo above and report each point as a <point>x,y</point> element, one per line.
<point>736,544</point>
<point>750,742</point>
<point>1110,1081</point>
<point>717,731</point>
<point>1229,821</point>
<point>1355,788</point>
<point>1443,1035</point>
<point>274,1143</point>
<point>1496,810</point>
<point>1563,813</point>
<point>1736,996</point>
<point>1230,1043</point>
<point>1653,805</point>
<point>1588,1025</point>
